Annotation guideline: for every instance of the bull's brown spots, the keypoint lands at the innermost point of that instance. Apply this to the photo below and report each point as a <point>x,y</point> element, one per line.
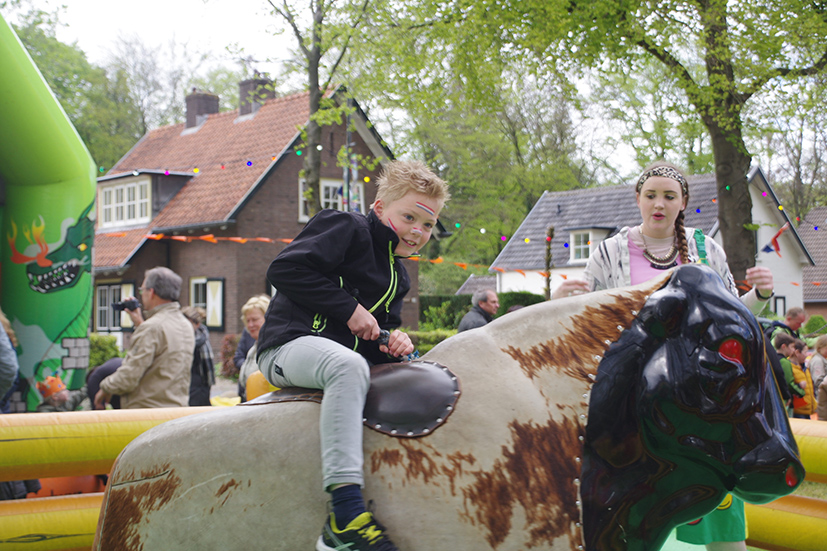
<point>538,474</point>
<point>575,353</point>
<point>130,496</point>
<point>419,461</point>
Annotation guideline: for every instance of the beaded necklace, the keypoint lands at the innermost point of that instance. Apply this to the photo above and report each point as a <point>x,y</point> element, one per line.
<point>669,260</point>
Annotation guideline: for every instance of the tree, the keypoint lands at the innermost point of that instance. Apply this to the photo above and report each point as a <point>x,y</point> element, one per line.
<point>790,137</point>
<point>100,108</point>
<point>719,53</point>
<point>322,43</point>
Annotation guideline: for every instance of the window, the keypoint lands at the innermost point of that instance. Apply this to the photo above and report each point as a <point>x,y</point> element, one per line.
<point>106,318</point>
<point>124,204</point>
<point>580,246</point>
<point>208,293</point>
<point>332,197</point>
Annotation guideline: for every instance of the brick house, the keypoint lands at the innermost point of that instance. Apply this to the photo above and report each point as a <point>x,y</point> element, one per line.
<point>215,199</point>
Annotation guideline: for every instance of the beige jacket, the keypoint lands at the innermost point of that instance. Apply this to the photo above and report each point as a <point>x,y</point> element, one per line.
<point>156,370</point>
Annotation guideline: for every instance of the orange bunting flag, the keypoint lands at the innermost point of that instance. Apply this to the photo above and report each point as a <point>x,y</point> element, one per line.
<point>564,276</point>
<point>209,237</point>
<point>241,240</point>
<point>438,260</point>
<point>797,284</point>
<point>116,234</point>
<point>180,238</point>
<point>816,283</point>
<point>498,269</point>
<point>520,272</point>
<point>462,265</point>
<point>155,236</point>
<point>545,274</point>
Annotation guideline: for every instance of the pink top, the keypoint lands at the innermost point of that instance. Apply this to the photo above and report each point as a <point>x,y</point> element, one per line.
<point>640,269</point>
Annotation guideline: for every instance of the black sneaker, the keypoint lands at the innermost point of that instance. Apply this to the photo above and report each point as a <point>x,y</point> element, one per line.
<point>364,533</point>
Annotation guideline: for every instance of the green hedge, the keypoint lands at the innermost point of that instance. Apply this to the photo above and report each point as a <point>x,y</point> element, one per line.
<point>446,311</point>
<point>102,348</point>
<point>425,340</point>
<point>815,325</point>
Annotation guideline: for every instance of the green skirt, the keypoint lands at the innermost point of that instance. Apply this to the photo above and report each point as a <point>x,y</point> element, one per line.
<point>726,523</point>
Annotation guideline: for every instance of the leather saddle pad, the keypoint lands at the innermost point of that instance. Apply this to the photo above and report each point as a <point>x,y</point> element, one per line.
<point>408,399</point>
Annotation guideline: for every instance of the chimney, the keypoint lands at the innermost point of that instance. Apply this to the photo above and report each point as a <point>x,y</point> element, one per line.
<point>199,105</point>
<point>252,94</point>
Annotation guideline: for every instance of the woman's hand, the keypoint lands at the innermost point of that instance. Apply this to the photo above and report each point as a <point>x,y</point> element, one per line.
<point>571,287</point>
<point>760,278</point>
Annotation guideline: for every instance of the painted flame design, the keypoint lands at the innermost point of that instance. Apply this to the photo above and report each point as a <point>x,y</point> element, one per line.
<point>35,236</point>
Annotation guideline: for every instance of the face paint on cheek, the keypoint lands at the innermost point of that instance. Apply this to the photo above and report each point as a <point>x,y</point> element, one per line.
<point>391,225</point>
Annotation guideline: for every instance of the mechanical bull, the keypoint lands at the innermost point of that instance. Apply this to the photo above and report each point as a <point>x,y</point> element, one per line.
<point>597,422</point>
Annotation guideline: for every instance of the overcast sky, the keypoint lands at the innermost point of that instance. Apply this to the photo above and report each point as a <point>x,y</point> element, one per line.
<point>205,26</point>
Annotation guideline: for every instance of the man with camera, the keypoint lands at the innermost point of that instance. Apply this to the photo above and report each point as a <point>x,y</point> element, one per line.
<point>156,370</point>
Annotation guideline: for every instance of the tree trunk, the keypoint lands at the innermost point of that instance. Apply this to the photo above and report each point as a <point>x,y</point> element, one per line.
<point>312,158</point>
<point>732,164</point>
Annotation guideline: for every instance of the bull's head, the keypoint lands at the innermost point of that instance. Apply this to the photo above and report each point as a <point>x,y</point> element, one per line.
<point>685,409</point>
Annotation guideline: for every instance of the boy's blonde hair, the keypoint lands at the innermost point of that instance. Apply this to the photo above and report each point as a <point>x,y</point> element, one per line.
<point>399,178</point>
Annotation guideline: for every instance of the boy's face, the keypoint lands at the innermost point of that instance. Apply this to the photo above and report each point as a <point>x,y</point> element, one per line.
<point>412,217</point>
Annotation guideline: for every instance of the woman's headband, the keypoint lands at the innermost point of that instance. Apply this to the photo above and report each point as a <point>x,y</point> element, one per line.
<point>665,172</point>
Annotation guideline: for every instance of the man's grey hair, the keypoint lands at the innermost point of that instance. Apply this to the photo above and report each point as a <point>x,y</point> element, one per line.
<point>165,282</point>
<point>481,296</point>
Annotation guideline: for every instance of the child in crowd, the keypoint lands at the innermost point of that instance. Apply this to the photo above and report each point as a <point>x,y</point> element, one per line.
<point>803,406</point>
<point>339,283</point>
<point>56,397</point>
<point>783,343</point>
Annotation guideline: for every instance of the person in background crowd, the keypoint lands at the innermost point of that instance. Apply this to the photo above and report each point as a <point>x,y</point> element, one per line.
<point>156,370</point>
<point>93,381</point>
<point>803,406</point>
<point>638,254</point>
<point>818,362</point>
<point>56,397</point>
<point>202,373</point>
<point>11,489</point>
<point>484,306</point>
<point>783,343</point>
<point>252,314</point>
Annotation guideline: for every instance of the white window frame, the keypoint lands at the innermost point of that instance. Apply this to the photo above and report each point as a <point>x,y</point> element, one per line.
<point>332,196</point>
<point>212,289</point>
<point>125,203</point>
<point>106,319</point>
<point>579,251</point>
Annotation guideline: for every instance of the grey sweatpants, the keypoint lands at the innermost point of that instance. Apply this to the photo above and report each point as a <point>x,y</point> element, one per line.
<point>344,375</point>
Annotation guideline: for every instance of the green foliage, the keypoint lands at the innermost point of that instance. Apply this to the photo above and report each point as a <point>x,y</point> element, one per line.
<point>100,108</point>
<point>102,348</point>
<point>521,298</point>
<point>816,324</point>
<point>445,311</point>
<point>425,340</point>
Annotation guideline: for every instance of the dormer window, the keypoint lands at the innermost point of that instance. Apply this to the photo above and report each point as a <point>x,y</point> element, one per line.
<point>124,204</point>
<point>580,246</point>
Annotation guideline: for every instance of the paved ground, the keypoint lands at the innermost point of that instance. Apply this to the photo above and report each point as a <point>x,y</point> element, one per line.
<point>224,387</point>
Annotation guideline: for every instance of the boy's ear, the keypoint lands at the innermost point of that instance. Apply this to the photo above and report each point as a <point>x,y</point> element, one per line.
<point>378,207</point>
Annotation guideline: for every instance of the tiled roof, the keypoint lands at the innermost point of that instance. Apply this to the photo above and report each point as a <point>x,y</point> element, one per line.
<point>610,207</point>
<point>224,139</point>
<point>816,242</point>
<point>476,283</point>
<point>114,249</point>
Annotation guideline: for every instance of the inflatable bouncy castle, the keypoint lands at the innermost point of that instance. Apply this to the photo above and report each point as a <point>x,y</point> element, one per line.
<point>47,193</point>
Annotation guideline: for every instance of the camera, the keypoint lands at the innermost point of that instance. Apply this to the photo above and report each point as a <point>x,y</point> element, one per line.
<point>132,304</point>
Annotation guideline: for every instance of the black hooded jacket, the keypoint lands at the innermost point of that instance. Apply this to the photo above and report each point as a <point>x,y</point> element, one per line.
<point>339,260</point>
